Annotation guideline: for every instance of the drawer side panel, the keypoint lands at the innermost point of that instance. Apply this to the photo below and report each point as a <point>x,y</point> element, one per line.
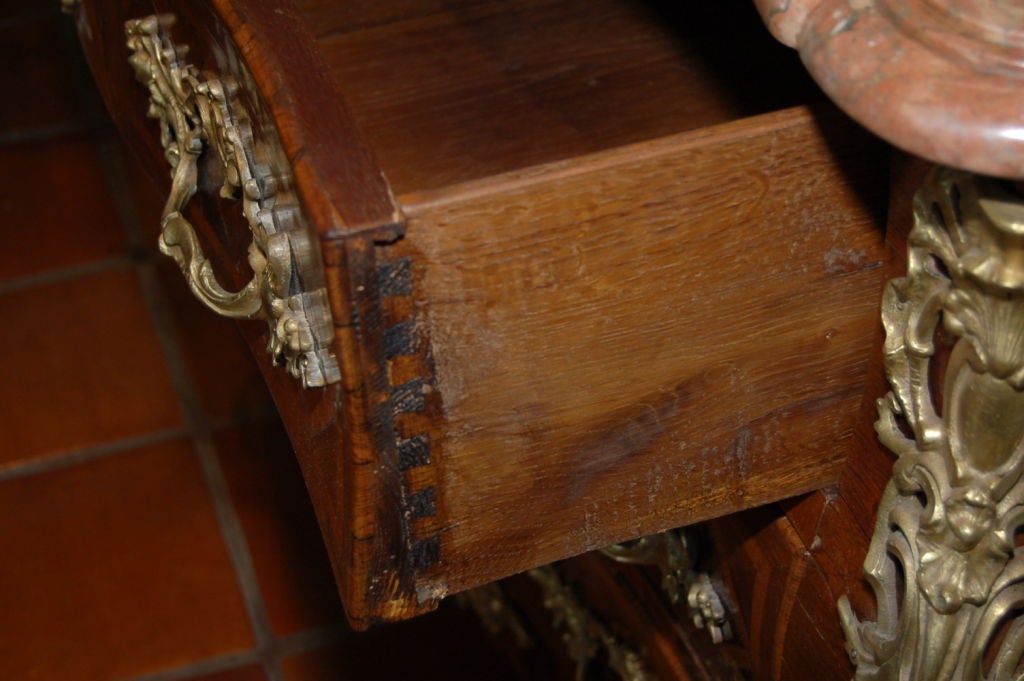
<point>646,338</point>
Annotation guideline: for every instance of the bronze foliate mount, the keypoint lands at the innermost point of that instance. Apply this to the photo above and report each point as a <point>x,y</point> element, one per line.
<point>674,553</point>
<point>943,563</point>
<point>200,110</point>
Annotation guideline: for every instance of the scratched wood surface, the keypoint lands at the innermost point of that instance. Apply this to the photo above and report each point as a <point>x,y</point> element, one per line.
<point>644,338</point>
<point>788,564</point>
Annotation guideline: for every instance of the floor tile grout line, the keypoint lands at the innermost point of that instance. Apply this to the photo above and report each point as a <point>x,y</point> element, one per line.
<point>309,639</point>
<point>292,644</point>
<point>55,462</point>
<point>195,417</point>
<point>57,276</point>
<point>238,550</point>
<point>242,418</point>
<point>210,665</point>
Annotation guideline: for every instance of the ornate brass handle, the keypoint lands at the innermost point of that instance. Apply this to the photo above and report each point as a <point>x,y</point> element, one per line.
<point>197,111</point>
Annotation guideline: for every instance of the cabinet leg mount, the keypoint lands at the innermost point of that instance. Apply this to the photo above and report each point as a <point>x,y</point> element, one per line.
<point>943,563</point>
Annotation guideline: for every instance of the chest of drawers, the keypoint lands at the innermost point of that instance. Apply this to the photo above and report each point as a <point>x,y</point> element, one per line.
<point>540,276</point>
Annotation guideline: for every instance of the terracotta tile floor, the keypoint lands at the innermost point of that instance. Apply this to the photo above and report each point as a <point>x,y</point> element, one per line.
<point>31,176</point>
<point>153,522</point>
<point>385,654</point>
<point>78,346</point>
<point>110,564</point>
<point>282,534</point>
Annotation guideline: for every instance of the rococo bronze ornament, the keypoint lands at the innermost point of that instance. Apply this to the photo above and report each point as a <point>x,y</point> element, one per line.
<point>197,111</point>
<point>673,553</point>
<point>943,563</point>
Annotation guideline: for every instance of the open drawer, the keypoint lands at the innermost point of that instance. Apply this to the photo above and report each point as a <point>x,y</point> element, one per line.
<point>574,271</point>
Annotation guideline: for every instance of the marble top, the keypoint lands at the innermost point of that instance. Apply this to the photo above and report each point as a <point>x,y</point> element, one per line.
<point>938,78</point>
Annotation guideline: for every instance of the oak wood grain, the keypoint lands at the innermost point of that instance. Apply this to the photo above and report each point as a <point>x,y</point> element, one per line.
<point>336,171</point>
<point>644,338</point>
<point>459,91</point>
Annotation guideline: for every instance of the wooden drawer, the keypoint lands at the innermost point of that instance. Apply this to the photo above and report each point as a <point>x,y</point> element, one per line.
<point>590,273</point>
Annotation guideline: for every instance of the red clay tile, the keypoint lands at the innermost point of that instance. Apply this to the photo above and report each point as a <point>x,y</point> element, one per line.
<point>445,646</point>
<point>240,674</point>
<point>37,77</point>
<point>114,568</point>
<point>284,539</point>
<point>82,367</point>
<point>55,207</point>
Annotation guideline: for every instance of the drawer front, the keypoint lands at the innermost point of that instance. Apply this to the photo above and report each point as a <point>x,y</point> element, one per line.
<point>274,206</point>
<point>202,114</point>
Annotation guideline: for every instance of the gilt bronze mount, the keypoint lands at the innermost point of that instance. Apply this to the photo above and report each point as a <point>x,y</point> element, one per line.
<point>674,553</point>
<point>198,111</point>
<point>944,564</point>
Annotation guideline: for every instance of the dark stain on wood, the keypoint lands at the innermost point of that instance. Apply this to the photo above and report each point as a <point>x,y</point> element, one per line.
<point>424,553</point>
<point>421,504</point>
<point>628,433</point>
<point>414,452</point>
<point>400,340</point>
<point>395,277</point>
<point>408,397</point>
